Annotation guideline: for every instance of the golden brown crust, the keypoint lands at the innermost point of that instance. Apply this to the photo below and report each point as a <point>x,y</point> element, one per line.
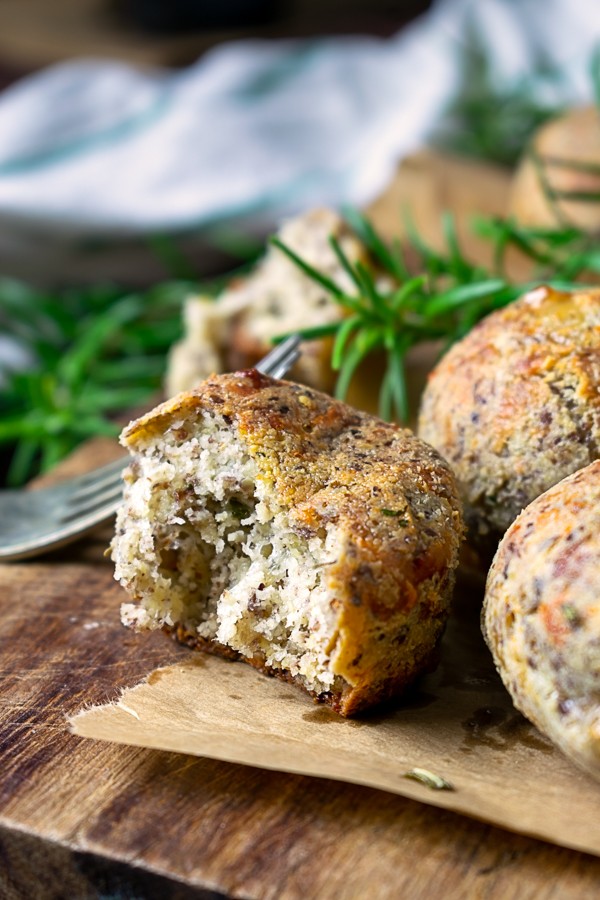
<point>345,701</point>
<point>391,496</point>
<point>515,406</point>
<point>541,615</point>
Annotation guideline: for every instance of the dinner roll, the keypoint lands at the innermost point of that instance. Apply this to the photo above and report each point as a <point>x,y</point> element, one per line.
<point>541,614</point>
<point>557,181</point>
<point>265,521</point>
<point>515,406</point>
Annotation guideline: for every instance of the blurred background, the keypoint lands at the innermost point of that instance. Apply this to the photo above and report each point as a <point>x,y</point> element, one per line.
<point>52,116</point>
<point>157,32</point>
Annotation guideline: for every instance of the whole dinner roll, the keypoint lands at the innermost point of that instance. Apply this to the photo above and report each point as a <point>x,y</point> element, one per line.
<point>557,181</point>
<point>515,406</point>
<point>541,616</point>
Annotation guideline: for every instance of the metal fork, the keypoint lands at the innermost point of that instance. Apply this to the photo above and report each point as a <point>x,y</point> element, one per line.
<point>32,522</point>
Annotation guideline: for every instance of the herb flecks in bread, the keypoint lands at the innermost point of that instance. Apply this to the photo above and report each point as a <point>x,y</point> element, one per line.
<point>515,406</point>
<point>541,614</point>
<point>257,524</point>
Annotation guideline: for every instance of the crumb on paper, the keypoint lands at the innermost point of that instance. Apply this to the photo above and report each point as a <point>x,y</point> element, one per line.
<point>127,709</point>
<point>429,779</point>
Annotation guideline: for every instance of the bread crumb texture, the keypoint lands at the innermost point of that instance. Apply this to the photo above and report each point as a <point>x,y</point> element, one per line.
<point>266,521</point>
<point>541,615</point>
<point>515,406</point>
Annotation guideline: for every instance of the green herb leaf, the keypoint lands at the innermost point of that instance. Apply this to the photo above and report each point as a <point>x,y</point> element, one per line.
<point>360,348</point>
<point>309,270</point>
<point>344,332</point>
<point>462,294</point>
<point>444,301</point>
<point>398,514</point>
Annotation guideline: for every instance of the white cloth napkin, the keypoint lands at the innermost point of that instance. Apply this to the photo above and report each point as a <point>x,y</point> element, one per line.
<point>254,131</point>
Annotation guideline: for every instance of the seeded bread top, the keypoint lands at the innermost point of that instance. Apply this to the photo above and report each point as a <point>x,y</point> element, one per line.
<point>541,616</point>
<point>327,460</point>
<point>515,406</point>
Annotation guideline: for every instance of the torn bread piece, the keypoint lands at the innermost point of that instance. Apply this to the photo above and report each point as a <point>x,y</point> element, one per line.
<point>236,329</point>
<point>267,522</point>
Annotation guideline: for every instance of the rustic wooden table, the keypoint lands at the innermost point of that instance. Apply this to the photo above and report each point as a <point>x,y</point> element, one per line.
<point>83,819</point>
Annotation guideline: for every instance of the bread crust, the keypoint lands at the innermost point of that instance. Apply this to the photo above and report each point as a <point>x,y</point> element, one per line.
<point>541,614</point>
<point>391,496</point>
<point>515,406</point>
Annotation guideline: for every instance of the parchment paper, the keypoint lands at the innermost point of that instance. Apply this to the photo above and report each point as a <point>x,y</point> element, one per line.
<point>458,724</point>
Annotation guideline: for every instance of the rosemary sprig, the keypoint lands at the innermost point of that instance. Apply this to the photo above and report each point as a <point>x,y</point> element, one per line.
<point>442,303</point>
<point>547,164</point>
<point>493,120</point>
<point>94,352</point>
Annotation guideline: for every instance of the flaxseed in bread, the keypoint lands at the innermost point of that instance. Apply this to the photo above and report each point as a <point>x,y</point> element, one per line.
<point>266,521</point>
<point>541,614</point>
<point>515,405</point>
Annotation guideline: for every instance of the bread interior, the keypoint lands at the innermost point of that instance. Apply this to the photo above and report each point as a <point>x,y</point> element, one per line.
<point>204,541</point>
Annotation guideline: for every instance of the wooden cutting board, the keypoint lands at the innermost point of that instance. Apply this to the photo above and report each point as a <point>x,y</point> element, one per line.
<point>85,819</point>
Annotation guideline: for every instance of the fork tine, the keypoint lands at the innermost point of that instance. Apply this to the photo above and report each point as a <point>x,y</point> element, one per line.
<point>71,530</point>
<point>111,468</point>
<point>98,484</point>
<point>273,360</point>
<point>285,365</point>
<point>82,506</point>
<point>59,536</point>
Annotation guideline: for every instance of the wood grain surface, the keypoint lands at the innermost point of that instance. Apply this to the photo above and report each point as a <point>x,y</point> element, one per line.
<point>84,819</point>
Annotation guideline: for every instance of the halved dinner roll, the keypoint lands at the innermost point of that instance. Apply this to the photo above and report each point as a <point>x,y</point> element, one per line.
<point>265,521</point>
